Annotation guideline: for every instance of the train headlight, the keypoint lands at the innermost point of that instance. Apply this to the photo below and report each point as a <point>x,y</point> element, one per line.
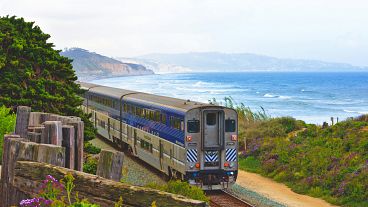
<point>232,164</point>
<point>189,138</point>
<point>197,165</point>
<point>226,164</point>
<point>191,166</point>
<point>234,137</point>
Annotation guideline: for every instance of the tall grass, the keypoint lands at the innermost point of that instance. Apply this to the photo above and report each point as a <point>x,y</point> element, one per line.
<point>247,119</point>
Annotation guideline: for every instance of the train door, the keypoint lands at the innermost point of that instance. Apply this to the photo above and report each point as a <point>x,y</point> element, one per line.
<point>213,133</point>
<point>161,155</point>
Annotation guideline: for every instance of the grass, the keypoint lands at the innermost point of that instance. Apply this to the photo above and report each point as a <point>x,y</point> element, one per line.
<point>250,164</point>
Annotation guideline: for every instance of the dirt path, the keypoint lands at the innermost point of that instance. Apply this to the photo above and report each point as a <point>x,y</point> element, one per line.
<point>277,191</point>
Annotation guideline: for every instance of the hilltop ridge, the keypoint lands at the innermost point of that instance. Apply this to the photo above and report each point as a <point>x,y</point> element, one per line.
<point>234,62</point>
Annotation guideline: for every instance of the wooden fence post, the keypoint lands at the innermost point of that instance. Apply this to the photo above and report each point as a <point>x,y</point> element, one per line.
<point>68,143</point>
<point>110,164</point>
<point>52,134</point>
<point>10,152</point>
<point>22,120</point>
<point>78,144</point>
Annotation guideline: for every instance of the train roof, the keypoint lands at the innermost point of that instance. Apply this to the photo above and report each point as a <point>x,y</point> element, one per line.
<point>180,104</point>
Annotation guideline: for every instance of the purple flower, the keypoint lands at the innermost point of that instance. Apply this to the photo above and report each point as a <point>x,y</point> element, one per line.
<point>50,178</point>
<point>35,202</point>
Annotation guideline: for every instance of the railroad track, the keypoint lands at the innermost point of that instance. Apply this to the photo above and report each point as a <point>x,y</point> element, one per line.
<point>221,198</point>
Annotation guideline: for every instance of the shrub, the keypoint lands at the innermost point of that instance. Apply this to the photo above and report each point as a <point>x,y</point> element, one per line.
<point>181,188</point>
<point>90,166</point>
<point>7,123</point>
<point>91,149</point>
<point>250,164</point>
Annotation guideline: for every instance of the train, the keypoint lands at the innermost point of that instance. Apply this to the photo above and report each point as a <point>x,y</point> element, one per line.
<point>184,139</point>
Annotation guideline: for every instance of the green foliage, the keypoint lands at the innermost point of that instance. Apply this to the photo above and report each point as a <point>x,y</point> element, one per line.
<point>181,188</point>
<point>7,123</point>
<point>330,162</point>
<point>34,74</point>
<point>90,165</point>
<point>250,164</point>
<point>50,194</point>
<point>91,149</point>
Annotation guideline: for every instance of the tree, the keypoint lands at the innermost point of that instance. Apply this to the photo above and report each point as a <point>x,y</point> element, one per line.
<point>34,74</point>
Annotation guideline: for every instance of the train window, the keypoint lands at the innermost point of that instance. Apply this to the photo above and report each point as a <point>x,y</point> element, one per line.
<point>163,119</point>
<point>211,119</point>
<point>193,126</point>
<point>132,108</point>
<point>230,125</point>
<point>157,116</point>
<point>125,107</point>
<point>146,145</point>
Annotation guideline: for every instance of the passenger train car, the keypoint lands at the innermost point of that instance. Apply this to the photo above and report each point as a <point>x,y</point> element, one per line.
<point>185,139</point>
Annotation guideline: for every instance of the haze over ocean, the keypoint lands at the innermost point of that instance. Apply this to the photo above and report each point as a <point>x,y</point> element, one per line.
<point>312,97</point>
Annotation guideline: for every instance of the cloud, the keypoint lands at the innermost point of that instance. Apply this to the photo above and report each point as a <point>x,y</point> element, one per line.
<point>282,28</point>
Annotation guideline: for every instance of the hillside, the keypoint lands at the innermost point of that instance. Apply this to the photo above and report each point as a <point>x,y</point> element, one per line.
<point>155,66</point>
<point>90,65</point>
<point>214,61</point>
<point>330,162</point>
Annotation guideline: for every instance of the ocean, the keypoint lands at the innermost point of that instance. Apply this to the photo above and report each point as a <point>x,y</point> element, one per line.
<point>312,97</point>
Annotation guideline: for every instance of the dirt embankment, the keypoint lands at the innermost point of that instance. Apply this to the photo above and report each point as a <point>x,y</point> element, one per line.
<point>277,191</point>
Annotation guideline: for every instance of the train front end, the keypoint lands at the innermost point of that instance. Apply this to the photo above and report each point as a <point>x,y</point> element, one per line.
<point>211,142</point>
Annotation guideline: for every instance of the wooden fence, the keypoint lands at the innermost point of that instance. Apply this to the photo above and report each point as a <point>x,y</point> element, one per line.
<point>49,144</point>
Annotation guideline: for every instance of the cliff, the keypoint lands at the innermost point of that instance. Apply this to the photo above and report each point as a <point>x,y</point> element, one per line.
<point>90,65</point>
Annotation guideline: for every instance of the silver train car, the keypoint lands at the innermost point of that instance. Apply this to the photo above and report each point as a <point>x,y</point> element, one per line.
<point>184,139</point>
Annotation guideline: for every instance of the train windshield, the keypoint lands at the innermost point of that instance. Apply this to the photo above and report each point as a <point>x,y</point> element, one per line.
<point>193,126</point>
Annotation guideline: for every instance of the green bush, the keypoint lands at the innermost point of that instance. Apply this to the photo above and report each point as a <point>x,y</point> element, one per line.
<point>91,149</point>
<point>7,123</point>
<point>250,164</point>
<point>181,188</point>
<point>90,165</point>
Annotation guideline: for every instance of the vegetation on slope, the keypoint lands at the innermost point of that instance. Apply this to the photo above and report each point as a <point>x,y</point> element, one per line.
<point>330,162</point>
<point>7,123</point>
<point>34,74</point>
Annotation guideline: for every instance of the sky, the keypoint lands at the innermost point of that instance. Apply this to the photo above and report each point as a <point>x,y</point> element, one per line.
<point>330,30</point>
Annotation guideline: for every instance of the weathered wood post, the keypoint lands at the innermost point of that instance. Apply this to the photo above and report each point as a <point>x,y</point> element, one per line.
<point>78,144</point>
<point>110,164</point>
<point>37,118</point>
<point>10,151</point>
<point>52,134</point>
<point>68,143</point>
<point>21,127</point>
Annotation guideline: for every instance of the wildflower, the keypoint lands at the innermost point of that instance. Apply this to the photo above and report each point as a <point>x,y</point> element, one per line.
<point>35,202</point>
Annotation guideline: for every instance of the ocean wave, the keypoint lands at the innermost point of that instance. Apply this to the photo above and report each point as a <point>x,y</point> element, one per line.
<point>284,97</point>
<point>268,95</point>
